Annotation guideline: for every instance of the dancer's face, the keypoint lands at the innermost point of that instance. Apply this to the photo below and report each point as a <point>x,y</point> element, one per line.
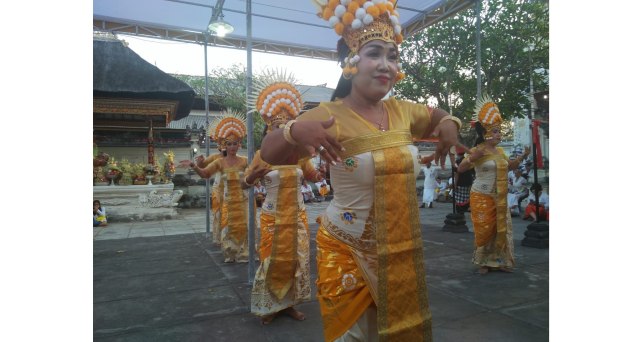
<point>495,136</point>
<point>377,69</point>
<point>232,147</point>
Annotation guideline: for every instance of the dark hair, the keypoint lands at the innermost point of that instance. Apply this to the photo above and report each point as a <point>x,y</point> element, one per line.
<point>480,131</point>
<point>344,85</point>
<point>96,201</point>
<point>536,187</point>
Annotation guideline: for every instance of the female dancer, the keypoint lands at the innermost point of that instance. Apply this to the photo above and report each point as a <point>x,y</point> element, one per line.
<point>229,131</point>
<point>216,193</point>
<point>282,279</point>
<point>489,211</point>
<point>371,280</point>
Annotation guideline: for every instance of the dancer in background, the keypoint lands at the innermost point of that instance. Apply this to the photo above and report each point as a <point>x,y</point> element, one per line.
<point>229,130</point>
<point>489,212</point>
<point>283,277</point>
<point>217,190</point>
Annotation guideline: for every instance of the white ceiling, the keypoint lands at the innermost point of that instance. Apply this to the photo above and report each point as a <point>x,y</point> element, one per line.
<point>278,26</point>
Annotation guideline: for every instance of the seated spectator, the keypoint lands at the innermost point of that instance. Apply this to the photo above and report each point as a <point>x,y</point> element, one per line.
<point>517,192</point>
<point>543,204</point>
<point>443,191</point>
<point>99,214</point>
<point>321,183</point>
<point>323,190</point>
<point>307,192</point>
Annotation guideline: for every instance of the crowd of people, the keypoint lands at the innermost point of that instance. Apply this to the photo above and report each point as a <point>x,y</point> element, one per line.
<point>371,281</point>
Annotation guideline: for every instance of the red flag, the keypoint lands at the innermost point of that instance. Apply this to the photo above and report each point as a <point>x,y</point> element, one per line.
<point>536,141</point>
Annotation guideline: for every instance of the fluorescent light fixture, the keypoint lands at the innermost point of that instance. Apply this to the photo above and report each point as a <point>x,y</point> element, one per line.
<point>219,27</point>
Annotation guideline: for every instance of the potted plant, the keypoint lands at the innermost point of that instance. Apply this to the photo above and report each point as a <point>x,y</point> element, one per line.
<point>126,168</point>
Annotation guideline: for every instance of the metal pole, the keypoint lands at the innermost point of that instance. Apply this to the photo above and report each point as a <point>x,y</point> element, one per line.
<point>452,191</point>
<point>250,148</point>
<point>206,127</point>
<point>533,140</point>
<point>478,54</point>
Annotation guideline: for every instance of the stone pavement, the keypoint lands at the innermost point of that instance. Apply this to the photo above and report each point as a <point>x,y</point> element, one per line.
<point>163,281</point>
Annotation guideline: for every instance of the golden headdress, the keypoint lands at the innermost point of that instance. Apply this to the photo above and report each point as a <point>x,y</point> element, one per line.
<point>231,126</point>
<point>487,113</point>
<point>359,22</point>
<point>276,98</point>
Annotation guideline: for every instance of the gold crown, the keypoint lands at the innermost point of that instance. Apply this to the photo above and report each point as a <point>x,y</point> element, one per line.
<point>276,98</point>
<point>487,113</point>
<point>380,29</point>
<point>230,126</point>
<point>360,21</point>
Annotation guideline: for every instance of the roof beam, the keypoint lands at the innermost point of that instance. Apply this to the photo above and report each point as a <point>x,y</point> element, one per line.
<point>423,19</point>
<point>117,26</point>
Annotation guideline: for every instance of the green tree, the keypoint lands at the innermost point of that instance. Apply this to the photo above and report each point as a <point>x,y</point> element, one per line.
<point>227,88</point>
<point>440,62</point>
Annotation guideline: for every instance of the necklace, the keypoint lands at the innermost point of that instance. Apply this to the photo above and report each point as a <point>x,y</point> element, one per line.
<point>381,119</point>
<point>379,123</point>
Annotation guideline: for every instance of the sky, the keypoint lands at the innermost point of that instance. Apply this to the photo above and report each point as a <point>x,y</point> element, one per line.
<point>184,58</point>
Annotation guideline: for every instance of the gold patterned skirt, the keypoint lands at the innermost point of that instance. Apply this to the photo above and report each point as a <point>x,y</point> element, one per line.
<point>215,217</point>
<point>343,294</point>
<point>484,218</point>
<point>233,250</point>
<point>263,300</point>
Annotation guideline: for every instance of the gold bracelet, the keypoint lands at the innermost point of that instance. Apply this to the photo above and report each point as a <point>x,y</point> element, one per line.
<point>250,184</point>
<point>452,118</point>
<point>286,132</point>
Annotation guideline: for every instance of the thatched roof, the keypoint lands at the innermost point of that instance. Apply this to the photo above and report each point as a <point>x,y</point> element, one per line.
<point>120,73</point>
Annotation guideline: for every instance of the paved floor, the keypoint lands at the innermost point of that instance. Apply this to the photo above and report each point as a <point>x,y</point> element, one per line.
<point>163,281</point>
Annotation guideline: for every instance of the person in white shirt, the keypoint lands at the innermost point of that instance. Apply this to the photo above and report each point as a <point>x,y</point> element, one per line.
<point>323,189</point>
<point>517,192</point>
<point>429,186</point>
<point>307,191</point>
<point>443,189</point>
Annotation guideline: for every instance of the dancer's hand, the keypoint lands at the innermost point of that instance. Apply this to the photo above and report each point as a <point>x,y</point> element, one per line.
<point>447,133</point>
<point>258,173</point>
<point>313,136</point>
<point>199,160</point>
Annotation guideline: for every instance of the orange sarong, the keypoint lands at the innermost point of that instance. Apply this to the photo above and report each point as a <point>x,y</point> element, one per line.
<point>399,290</point>
<point>342,292</point>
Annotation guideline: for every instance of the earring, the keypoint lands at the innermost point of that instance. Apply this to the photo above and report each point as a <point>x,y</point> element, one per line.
<point>350,67</point>
<point>400,75</point>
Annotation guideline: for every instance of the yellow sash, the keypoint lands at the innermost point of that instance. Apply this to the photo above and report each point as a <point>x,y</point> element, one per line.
<point>237,208</point>
<point>501,197</point>
<point>283,262</point>
<point>403,304</point>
